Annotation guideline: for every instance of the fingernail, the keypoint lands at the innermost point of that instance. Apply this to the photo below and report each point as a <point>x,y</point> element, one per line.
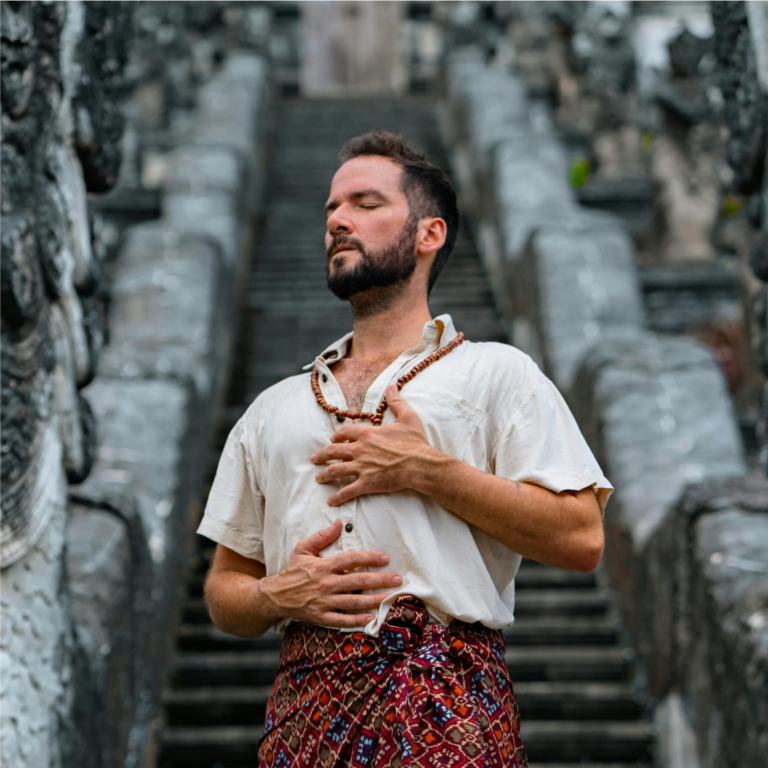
<point>312,457</point>
<point>385,559</point>
<point>397,580</point>
<point>368,618</point>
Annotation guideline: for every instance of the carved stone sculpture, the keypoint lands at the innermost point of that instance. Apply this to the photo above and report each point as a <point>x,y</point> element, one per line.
<point>741,47</point>
<point>62,81</point>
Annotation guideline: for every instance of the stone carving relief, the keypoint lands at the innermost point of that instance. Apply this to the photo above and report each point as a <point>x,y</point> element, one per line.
<point>62,83</point>
<point>741,47</point>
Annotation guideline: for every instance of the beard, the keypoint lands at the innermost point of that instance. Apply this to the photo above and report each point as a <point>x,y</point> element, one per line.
<point>377,279</point>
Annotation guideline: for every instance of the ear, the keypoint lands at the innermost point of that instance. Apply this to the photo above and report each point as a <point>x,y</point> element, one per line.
<point>432,234</point>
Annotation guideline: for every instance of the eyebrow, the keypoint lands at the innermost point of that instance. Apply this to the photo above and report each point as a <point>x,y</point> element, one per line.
<point>331,204</point>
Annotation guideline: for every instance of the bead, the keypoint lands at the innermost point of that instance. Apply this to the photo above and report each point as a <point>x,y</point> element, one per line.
<point>375,418</point>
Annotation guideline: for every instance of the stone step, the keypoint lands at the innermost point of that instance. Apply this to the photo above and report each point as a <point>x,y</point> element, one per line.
<point>568,662</point>
<point>532,602</point>
<point>563,630</point>
<point>589,764</point>
<point>563,740</point>
<point>577,740</point>
<point>220,746</point>
<point>552,630</point>
<point>573,681</point>
<point>575,601</point>
<point>186,707</point>
<point>525,663</point>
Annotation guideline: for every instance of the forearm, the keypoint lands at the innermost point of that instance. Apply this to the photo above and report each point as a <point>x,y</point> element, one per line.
<point>239,604</point>
<point>554,528</point>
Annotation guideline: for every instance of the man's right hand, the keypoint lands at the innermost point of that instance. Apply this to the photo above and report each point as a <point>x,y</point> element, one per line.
<point>316,589</point>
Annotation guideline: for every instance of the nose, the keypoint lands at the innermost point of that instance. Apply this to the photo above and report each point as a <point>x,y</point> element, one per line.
<point>338,222</point>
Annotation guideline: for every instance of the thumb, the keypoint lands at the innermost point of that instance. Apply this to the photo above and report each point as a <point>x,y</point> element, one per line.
<point>397,403</point>
<point>320,540</point>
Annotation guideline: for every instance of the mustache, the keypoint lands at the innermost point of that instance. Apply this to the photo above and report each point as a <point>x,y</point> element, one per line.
<point>343,240</point>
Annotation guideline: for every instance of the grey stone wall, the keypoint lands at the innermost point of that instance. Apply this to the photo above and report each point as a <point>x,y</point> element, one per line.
<point>708,588</point>
<point>102,473</point>
<point>655,409</point>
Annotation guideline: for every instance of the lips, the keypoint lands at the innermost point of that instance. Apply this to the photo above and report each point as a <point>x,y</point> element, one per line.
<point>341,248</point>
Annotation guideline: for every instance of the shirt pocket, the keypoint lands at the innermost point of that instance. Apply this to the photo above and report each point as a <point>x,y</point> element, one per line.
<point>449,421</point>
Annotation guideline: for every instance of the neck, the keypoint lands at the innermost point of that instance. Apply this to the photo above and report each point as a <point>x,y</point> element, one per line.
<point>396,327</point>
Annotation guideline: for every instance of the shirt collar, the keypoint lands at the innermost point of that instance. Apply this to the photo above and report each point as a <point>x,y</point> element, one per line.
<point>436,333</point>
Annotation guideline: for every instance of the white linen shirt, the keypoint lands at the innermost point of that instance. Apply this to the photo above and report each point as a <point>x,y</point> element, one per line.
<point>486,403</point>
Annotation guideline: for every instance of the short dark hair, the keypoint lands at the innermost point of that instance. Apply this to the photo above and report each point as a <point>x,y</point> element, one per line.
<point>425,186</point>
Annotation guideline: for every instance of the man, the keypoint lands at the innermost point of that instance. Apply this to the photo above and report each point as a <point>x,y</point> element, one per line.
<point>382,529</point>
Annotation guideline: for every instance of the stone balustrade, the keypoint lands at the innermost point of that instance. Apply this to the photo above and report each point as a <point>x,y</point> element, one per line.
<point>655,410</point>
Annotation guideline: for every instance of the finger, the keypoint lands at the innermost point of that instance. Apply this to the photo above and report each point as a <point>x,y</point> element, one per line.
<point>357,558</point>
<point>350,582</point>
<point>335,471</point>
<point>330,452</point>
<point>349,432</point>
<point>320,540</point>
<point>357,602</point>
<point>340,620</point>
<point>347,493</point>
<point>397,403</point>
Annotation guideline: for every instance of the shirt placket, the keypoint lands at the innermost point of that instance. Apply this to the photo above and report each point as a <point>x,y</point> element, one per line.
<point>350,536</point>
<point>333,394</point>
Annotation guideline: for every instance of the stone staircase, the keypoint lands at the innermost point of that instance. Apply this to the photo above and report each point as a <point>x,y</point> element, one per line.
<point>575,678</point>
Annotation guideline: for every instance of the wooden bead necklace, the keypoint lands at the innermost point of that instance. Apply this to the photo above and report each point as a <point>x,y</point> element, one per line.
<point>375,418</point>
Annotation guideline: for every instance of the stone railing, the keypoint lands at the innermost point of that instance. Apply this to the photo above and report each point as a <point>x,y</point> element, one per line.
<point>654,408</point>
<point>161,378</point>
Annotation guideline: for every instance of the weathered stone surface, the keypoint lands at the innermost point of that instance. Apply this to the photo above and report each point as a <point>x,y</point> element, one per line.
<point>353,48</point>
<point>485,108</point>
<point>145,429</point>
<point>227,126</point>
<point>530,182</point>
<point>168,310</point>
<point>657,415</point>
<point>150,458</point>
<point>200,169</point>
<point>62,81</point>
<point>577,282</point>
<point>708,590</point>
<point>745,102</point>
<point>213,216</point>
<point>101,577</point>
<point>36,645</point>
<point>230,105</point>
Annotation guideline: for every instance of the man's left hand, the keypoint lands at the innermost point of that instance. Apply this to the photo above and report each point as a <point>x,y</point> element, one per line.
<point>383,459</point>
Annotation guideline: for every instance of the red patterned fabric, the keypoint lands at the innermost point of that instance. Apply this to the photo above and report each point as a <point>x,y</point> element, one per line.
<point>418,695</point>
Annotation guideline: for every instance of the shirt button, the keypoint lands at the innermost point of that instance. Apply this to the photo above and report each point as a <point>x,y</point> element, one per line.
<point>325,378</point>
<point>349,527</point>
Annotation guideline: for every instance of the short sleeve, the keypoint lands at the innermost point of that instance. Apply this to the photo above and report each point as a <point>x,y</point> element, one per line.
<point>542,444</point>
<point>234,512</point>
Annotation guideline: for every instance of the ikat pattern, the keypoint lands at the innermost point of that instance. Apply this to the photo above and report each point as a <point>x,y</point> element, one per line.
<point>419,695</point>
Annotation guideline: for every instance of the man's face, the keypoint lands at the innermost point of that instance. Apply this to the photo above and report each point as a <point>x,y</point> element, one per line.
<point>371,236</point>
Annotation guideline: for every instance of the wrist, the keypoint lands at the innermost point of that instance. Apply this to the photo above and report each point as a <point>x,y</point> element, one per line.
<point>431,471</point>
<point>267,598</point>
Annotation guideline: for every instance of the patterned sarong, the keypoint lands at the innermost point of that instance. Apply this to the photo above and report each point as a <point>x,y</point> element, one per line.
<point>419,695</point>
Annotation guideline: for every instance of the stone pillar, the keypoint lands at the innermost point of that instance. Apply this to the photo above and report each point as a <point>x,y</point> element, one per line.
<point>353,48</point>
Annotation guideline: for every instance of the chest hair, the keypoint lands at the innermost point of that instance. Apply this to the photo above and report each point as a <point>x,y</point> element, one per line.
<point>355,378</point>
